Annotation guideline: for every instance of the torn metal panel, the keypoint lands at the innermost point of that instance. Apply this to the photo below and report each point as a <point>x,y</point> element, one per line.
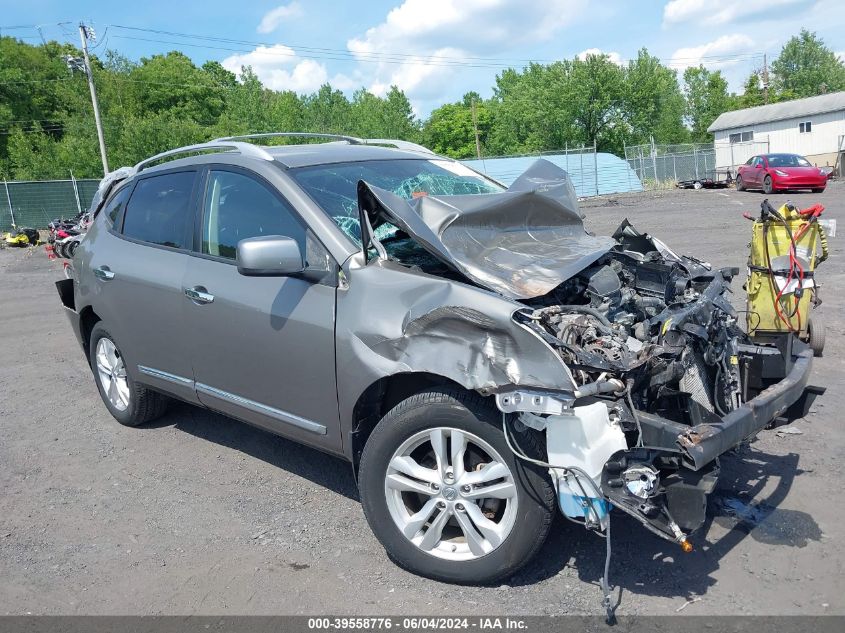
<point>406,321</point>
<point>521,243</point>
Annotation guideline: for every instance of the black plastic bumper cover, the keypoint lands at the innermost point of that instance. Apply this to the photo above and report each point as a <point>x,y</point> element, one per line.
<point>703,443</point>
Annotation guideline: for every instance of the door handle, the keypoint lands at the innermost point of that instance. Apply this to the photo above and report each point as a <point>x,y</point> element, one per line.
<point>103,273</point>
<point>199,294</point>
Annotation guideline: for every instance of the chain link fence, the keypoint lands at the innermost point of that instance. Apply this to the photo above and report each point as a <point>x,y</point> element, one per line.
<point>36,203</point>
<point>659,166</point>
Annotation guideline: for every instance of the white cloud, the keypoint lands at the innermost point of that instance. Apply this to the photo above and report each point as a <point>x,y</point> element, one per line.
<point>715,12</point>
<point>272,19</point>
<point>841,56</point>
<point>724,51</point>
<point>279,68</point>
<point>615,57</point>
<point>422,45</point>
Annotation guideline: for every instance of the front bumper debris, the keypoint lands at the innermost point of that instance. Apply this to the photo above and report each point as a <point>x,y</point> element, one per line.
<point>702,443</point>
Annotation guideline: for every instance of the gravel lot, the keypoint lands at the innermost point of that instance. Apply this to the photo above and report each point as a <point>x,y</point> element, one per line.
<point>199,514</point>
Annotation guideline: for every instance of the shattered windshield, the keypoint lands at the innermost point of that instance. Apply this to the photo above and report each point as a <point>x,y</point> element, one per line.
<point>335,187</point>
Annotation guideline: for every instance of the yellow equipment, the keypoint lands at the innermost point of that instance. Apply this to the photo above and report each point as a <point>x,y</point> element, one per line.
<point>21,237</point>
<point>781,284</point>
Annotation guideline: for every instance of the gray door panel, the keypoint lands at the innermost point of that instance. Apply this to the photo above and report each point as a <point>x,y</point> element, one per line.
<point>146,313</point>
<point>263,350</point>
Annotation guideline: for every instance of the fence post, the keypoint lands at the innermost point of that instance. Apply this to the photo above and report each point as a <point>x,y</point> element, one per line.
<point>9,200</point>
<point>627,164</point>
<point>596,165</point>
<point>654,160</point>
<point>674,168</point>
<point>581,159</point>
<point>76,194</point>
<point>695,159</point>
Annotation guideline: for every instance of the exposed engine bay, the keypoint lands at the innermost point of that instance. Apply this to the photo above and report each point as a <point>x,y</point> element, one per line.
<point>643,330</point>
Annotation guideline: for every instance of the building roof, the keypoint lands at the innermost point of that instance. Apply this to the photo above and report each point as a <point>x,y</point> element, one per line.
<point>779,111</point>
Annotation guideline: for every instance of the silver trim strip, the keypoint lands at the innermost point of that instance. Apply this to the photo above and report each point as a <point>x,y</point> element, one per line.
<point>163,375</point>
<point>257,407</point>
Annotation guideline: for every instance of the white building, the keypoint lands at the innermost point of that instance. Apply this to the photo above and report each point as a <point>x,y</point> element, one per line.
<point>813,127</point>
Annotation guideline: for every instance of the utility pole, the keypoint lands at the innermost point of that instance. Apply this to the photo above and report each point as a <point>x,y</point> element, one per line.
<point>83,36</point>
<point>475,126</point>
<point>765,80</point>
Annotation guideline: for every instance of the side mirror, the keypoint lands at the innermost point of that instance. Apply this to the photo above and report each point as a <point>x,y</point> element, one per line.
<point>269,256</point>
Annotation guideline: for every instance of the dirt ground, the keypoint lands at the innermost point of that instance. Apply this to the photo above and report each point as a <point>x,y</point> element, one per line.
<point>199,514</point>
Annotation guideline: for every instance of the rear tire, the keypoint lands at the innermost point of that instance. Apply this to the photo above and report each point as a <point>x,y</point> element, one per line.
<point>478,538</point>
<point>819,190</point>
<point>127,401</point>
<point>816,334</point>
<point>767,185</point>
<point>740,186</point>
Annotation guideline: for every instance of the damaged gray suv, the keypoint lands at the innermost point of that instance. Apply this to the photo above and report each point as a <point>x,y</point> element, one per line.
<point>479,358</point>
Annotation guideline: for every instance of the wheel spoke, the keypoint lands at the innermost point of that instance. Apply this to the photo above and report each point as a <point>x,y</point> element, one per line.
<point>406,484</point>
<point>407,465</point>
<point>103,363</point>
<point>435,530</point>
<point>419,519</point>
<point>501,490</point>
<point>474,539</point>
<point>489,472</point>
<point>122,391</point>
<point>459,447</point>
<point>438,443</point>
<point>489,530</point>
<point>114,396</point>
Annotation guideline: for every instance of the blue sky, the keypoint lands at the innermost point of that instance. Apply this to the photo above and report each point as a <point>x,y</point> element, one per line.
<point>435,50</point>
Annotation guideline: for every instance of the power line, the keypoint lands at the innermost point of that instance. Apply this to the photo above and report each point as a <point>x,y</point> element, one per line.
<point>385,57</point>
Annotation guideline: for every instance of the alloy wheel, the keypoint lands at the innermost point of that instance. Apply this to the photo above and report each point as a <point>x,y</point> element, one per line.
<point>451,494</point>
<point>111,371</point>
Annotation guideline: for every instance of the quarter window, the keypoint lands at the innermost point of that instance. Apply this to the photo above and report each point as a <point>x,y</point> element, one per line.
<point>159,210</point>
<point>238,207</point>
<point>116,204</point>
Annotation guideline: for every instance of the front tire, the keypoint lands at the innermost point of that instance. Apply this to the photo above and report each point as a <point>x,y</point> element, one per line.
<point>445,495</point>
<point>767,185</point>
<point>740,186</point>
<point>127,401</point>
<point>818,190</point>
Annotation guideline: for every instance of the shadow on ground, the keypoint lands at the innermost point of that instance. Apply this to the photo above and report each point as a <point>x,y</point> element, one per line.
<point>737,509</point>
<point>321,468</point>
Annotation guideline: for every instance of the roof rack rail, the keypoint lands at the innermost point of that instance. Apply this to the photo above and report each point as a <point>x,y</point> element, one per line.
<point>247,149</point>
<point>352,140</point>
<point>398,144</point>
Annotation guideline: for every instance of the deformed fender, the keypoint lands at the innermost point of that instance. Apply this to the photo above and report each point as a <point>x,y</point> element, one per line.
<point>392,320</point>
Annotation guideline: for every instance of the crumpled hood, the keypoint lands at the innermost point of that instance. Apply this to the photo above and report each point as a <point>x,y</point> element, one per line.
<point>521,243</point>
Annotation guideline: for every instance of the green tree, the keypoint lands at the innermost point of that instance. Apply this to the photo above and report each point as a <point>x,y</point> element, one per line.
<point>707,97</point>
<point>450,129</point>
<point>653,103</point>
<point>806,67</point>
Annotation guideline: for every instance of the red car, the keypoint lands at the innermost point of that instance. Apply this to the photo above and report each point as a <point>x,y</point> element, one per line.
<point>779,172</point>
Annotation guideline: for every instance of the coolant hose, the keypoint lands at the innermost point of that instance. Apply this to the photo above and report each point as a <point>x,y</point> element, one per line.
<point>600,386</point>
<point>577,308</point>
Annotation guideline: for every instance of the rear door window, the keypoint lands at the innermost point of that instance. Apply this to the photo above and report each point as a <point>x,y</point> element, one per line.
<point>159,211</point>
